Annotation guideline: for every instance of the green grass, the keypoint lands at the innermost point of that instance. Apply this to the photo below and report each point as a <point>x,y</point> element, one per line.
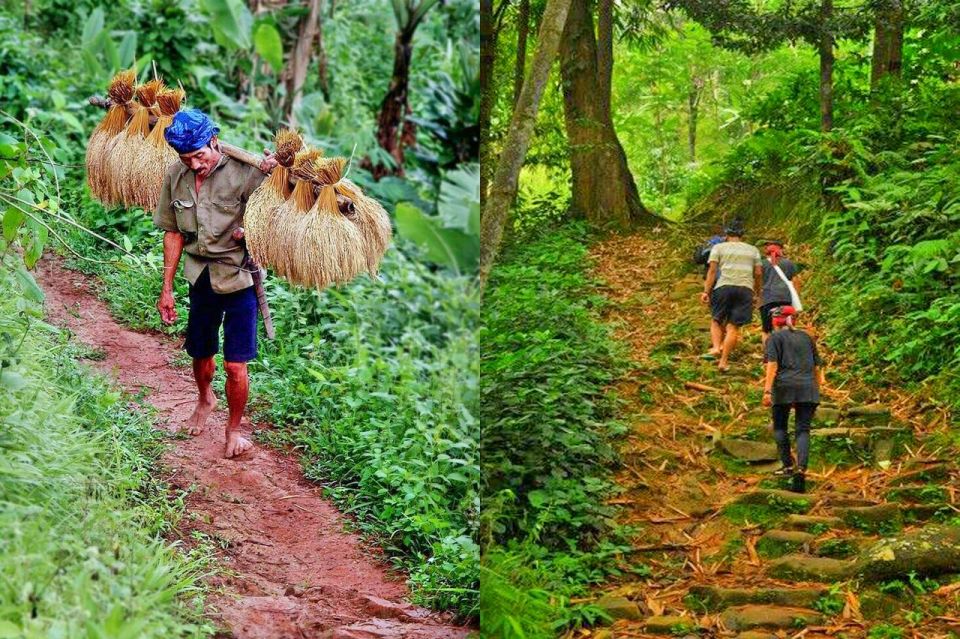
<point>82,511</point>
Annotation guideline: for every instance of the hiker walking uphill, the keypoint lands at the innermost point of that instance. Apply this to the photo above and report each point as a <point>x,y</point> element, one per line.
<point>201,208</point>
<point>793,377</point>
<point>779,289</point>
<point>733,279</point>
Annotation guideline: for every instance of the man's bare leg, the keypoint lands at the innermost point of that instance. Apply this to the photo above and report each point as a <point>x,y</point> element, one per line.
<point>729,342</point>
<point>206,399</point>
<point>716,337</point>
<point>238,389</point>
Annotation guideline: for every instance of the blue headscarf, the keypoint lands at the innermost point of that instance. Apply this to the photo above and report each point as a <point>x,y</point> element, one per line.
<point>190,130</point>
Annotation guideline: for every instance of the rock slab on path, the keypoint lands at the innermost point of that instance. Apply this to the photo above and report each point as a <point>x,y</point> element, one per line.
<point>748,450</point>
<point>296,572</point>
<point>750,617</point>
<point>717,598</point>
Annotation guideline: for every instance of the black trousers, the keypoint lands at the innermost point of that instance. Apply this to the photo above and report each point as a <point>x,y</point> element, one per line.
<point>781,419</point>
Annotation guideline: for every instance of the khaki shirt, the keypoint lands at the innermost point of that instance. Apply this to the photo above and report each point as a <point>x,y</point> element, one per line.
<point>207,220</point>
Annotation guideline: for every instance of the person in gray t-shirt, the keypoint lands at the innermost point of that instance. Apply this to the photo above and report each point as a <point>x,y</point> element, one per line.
<point>732,284</point>
<point>793,377</point>
<point>775,292</point>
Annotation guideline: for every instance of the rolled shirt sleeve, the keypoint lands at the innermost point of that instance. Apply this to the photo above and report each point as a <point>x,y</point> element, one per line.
<point>164,216</point>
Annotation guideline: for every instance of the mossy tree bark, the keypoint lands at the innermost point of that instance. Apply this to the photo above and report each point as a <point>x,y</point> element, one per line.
<point>503,190</point>
<point>604,192</point>
<point>887,42</point>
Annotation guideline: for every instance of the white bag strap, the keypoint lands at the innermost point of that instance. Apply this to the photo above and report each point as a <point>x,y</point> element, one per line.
<point>794,296</point>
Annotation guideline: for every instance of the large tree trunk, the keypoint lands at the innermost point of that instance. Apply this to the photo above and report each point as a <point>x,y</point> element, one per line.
<point>887,42</point>
<point>826,65</point>
<point>604,191</point>
<point>523,29</point>
<point>504,187</point>
<point>605,53</point>
<point>488,59</point>
<point>300,59</point>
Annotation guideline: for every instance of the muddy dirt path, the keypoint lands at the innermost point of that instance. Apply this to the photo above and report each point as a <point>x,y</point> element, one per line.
<point>293,571</point>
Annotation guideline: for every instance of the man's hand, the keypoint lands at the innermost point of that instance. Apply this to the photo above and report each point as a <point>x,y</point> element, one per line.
<point>705,297</point>
<point>767,399</point>
<point>168,314</point>
<point>269,162</point>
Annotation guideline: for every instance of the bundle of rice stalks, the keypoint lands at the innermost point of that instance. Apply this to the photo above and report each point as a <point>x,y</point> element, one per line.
<point>121,93</point>
<point>263,203</point>
<point>372,220</point>
<point>276,243</point>
<point>126,181</point>
<point>145,177</point>
<point>327,247</point>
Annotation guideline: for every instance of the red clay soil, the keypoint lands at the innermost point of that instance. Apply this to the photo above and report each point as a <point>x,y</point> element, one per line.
<point>292,569</point>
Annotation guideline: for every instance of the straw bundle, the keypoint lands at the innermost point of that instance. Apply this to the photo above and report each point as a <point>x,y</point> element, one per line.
<point>277,242</point>
<point>126,179</point>
<point>263,202</point>
<point>372,220</point>
<point>147,169</point>
<point>121,93</point>
<point>327,247</point>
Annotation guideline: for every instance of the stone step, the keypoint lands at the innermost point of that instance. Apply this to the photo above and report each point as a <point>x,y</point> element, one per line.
<point>748,450</point>
<point>809,568</point>
<point>783,500</point>
<point>756,634</point>
<point>619,607</point>
<point>839,547</point>
<point>933,472</point>
<point>846,502</point>
<point>859,434</point>
<point>918,494</point>
<point>716,598</point>
<point>670,625</point>
<point>756,616</point>
<point>776,543</point>
<point>871,413</point>
<point>808,522</point>
<point>878,518</point>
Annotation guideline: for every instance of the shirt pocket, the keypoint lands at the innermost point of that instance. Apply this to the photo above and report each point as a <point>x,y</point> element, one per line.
<point>226,215</point>
<point>186,213</point>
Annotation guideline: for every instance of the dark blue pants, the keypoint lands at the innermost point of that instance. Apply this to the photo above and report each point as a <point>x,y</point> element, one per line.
<point>237,312</point>
<point>781,419</point>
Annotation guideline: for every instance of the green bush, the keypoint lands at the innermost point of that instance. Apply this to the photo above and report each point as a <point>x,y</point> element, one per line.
<point>547,412</point>
<point>549,438</point>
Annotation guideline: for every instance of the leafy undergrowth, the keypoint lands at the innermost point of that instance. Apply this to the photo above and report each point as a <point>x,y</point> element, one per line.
<point>376,383</point>
<point>549,435</point>
<point>82,512</point>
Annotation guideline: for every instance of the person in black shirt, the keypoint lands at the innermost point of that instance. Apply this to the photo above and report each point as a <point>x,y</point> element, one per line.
<point>794,373</point>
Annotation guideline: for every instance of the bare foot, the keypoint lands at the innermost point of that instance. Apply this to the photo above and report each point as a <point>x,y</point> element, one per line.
<point>236,445</point>
<point>201,412</point>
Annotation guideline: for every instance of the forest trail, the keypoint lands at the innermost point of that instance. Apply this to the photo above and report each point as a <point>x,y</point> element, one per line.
<point>733,554</point>
<point>292,571</point>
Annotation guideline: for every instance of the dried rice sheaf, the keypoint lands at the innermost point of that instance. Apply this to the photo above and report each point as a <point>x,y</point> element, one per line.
<point>372,220</point>
<point>121,93</point>
<point>155,156</point>
<point>278,243</point>
<point>368,215</point>
<point>263,202</point>
<point>328,247</point>
<point>126,178</point>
